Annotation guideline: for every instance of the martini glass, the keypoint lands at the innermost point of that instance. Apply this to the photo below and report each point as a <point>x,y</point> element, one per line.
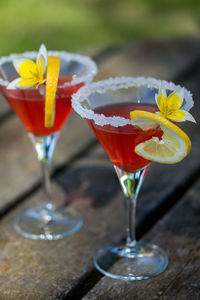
<point>46,222</point>
<point>106,106</point>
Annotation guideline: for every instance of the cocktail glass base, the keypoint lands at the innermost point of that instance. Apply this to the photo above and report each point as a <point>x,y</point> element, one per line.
<point>140,262</point>
<point>47,223</point>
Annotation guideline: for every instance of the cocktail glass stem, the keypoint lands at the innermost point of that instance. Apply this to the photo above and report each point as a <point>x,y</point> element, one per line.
<point>46,180</point>
<point>131,183</point>
<point>130,222</point>
<point>47,222</point>
<point>134,260</point>
<point>44,146</point>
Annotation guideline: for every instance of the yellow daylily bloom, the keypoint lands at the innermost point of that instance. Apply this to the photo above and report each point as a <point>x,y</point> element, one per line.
<point>32,73</point>
<point>170,106</point>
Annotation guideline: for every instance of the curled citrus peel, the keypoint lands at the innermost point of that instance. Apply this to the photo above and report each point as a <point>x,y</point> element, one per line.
<point>53,68</point>
<point>171,148</point>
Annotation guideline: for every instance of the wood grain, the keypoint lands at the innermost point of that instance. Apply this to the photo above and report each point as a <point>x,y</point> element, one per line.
<point>178,234</point>
<point>19,166</point>
<point>163,59</point>
<point>85,181</point>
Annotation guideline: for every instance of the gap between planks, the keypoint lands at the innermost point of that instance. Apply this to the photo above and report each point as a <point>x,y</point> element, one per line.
<point>89,280</point>
<point>58,169</point>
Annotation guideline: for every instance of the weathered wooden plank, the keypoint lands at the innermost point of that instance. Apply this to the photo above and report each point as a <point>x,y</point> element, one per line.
<point>178,234</point>
<point>49,270</point>
<point>4,107</point>
<point>27,271</point>
<point>101,208</point>
<point>181,280</point>
<point>19,167</point>
<point>192,83</point>
<point>162,59</point>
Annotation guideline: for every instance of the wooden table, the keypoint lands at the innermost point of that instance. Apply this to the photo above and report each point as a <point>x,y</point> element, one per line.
<point>168,212</point>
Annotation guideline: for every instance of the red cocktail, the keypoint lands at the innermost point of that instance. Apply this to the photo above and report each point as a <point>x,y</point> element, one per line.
<point>119,142</point>
<point>29,105</point>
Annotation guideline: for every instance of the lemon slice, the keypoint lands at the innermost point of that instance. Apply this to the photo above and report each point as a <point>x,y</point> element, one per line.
<point>51,85</point>
<point>173,146</point>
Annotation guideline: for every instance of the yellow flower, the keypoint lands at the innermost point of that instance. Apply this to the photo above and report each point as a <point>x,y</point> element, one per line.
<point>32,73</point>
<point>169,106</point>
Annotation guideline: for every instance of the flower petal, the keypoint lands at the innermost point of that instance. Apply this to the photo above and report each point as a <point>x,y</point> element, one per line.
<point>25,83</point>
<point>42,54</point>
<point>180,92</point>
<point>40,70</point>
<point>14,84</point>
<point>20,83</point>
<point>175,100</point>
<point>180,116</point>
<point>162,89</point>
<point>188,116</point>
<point>160,114</point>
<point>161,101</point>
<point>17,62</point>
<point>28,69</point>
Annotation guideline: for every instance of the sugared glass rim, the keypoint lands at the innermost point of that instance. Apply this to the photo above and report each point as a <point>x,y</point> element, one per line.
<point>90,65</point>
<point>117,83</point>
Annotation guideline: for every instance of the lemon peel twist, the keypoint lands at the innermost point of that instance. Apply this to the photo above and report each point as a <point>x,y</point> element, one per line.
<point>51,85</point>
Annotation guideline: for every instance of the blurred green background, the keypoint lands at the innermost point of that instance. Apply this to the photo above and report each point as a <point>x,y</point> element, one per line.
<point>84,25</point>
